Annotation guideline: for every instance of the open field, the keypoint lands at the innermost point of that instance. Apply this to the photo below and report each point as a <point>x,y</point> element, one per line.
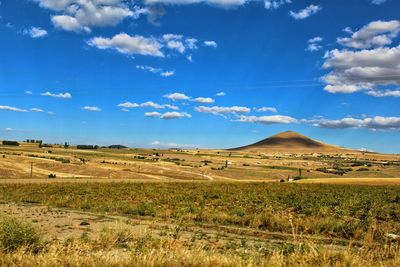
<point>146,207</point>
<point>31,161</point>
<point>205,224</point>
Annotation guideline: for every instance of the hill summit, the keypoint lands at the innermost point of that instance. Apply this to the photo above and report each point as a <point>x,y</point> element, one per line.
<point>291,142</point>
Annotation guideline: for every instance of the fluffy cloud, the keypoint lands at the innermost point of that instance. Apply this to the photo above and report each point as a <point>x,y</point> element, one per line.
<point>60,95</point>
<point>314,44</point>
<point>156,70</point>
<point>179,42</point>
<point>81,15</point>
<point>174,41</point>
<point>274,4</point>
<point>394,93</point>
<point>221,3</point>
<point>204,100</point>
<point>137,44</point>
<point>91,108</point>
<point>35,32</point>
<point>306,12</point>
<point>264,109</point>
<point>175,115</point>
<point>151,104</point>
<point>130,45</point>
<point>171,107</point>
<point>148,104</point>
<point>375,34</point>
<point>128,105</point>
<point>365,70</point>
<point>215,110</point>
<point>9,108</point>
<point>276,119</point>
<point>152,114</point>
<point>221,94</point>
<point>69,23</point>
<point>177,96</point>
<point>210,43</point>
<point>373,123</point>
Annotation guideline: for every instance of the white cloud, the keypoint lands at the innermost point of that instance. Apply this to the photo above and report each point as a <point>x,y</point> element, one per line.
<point>210,43</point>
<point>148,104</point>
<point>314,44</point>
<point>378,2</point>
<point>35,32</point>
<point>36,110</point>
<point>174,41</point>
<point>220,3</point>
<point>167,73</point>
<point>375,34</point>
<point>125,110</point>
<point>276,119</point>
<point>204,100</point>
<point>130,45</point>
<point>265,109</point>
<point>394,93</point>
<point>156,70</point>
<point>191,43</point>
<point>91,108</point>
<point>373,123</point>
<point>81,15</point>
<point>9,129</point>
<point>179,42</point>
<point>171,107</point>
<point>306,12</point>
<point>221,94</point>
<point>215,110</point>
<point>128,105</point>
<point>175,115</point>
<point>274,4</point>
<point>152,114</point>
<point>9,108</point>
<point>60,95</point>
<point>365,70</point>
<point>177,96</point>
<point>151,104</point>
<point>28,92</point>
<point>68,23</point>
<point>151,46</point>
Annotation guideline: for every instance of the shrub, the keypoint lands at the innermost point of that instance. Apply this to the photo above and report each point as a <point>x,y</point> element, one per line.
<point>87,147</point>
<point>15,234</point>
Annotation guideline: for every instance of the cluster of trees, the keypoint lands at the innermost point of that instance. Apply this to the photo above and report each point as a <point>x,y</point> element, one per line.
<point>10,143</point>
<point>34,141</point>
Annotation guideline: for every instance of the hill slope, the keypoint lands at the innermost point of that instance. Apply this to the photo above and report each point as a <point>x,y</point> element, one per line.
<point>291,142</point>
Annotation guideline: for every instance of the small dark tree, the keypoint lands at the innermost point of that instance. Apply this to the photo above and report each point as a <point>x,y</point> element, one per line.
<point>66,145</point>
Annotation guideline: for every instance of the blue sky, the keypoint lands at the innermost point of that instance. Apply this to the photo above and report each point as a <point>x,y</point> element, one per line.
<point>211,74</point>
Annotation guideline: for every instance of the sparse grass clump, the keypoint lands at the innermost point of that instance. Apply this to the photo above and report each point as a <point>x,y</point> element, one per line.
<point>16,234</point>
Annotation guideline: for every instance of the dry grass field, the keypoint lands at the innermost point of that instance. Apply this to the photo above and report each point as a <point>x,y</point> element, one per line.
<point>145,207</point>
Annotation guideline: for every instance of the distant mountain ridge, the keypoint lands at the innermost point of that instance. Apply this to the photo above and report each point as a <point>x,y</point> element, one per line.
<point>291,142</point>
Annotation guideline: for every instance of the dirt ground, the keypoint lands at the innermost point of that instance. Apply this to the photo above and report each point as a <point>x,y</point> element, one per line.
<point>63,224</point>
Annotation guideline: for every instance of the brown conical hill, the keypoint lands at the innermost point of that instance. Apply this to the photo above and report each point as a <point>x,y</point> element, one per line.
<point>291,142</point>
